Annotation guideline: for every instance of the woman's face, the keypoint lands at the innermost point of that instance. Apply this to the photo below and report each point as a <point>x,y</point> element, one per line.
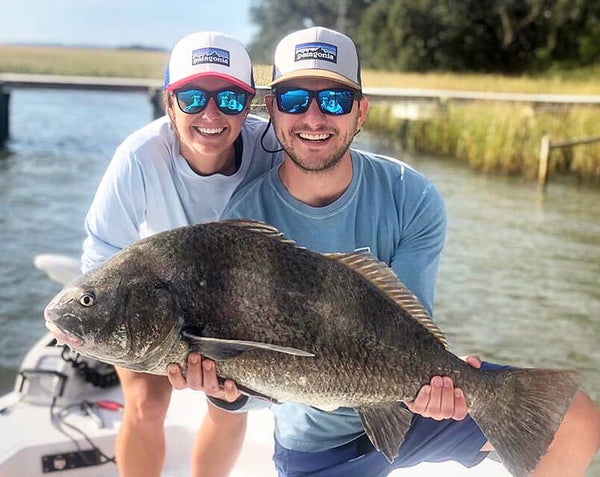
<point>207,137</point>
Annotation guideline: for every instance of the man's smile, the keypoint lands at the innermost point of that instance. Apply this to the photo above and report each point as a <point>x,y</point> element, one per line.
<point>314,136</point>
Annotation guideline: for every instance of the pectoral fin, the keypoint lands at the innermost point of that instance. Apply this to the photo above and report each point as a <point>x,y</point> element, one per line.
<point>386,427</point>
<point>221,349</point>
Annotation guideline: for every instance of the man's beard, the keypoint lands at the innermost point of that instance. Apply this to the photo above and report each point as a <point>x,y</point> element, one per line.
<point>326,164</point>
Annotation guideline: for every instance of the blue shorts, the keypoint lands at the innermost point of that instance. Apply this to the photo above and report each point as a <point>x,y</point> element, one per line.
<point>427,440</point>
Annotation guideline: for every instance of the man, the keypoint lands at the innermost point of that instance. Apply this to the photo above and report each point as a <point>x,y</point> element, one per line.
<point>330,198</point>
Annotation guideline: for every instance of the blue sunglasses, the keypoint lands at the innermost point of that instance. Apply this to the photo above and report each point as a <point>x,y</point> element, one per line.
<point>229,100</point>
<point>334,101</point>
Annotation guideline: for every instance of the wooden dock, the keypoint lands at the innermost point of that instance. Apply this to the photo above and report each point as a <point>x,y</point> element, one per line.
<point>391,94</point>
<point>10,81</point>
<point>153,88</point>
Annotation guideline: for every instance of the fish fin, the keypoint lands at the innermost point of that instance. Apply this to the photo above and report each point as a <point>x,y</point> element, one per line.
<point>220,349</point>
<point>249,392</point>
<point>260,228</point>
<point>521,411</point>
<point>384,278</point>
<point>386,427</point>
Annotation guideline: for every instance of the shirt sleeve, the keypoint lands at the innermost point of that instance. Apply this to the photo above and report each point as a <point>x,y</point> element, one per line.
<point>416,257</point>
<point>113,220</point>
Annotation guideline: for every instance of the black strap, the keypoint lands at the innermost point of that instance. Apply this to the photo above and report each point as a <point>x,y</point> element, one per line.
<point>238,151</point>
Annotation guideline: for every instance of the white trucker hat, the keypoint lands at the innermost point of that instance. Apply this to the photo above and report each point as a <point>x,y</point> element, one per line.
<point>317,52</point>
<point>209,53</point>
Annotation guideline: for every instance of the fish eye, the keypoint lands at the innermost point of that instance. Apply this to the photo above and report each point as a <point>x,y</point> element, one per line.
<point>87,298</point>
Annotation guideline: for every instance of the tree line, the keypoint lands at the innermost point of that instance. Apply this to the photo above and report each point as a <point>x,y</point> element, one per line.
<point>505,36</point>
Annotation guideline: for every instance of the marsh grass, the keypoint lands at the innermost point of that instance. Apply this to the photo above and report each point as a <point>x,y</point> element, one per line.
<point>262,74</point>
<point>83,61</point>
<point>120,63</point>
<point>582,81</point>
<point>151,64</point>
<point>500,138</point>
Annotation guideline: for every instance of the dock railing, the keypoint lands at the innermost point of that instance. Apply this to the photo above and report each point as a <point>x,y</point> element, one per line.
<point>546,147</point>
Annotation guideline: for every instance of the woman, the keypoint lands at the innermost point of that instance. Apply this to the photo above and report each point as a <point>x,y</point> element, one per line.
<point>179,170</point>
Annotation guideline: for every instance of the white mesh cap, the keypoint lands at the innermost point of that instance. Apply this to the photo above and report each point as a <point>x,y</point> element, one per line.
<point>209,54</point>
<point>317,52</point>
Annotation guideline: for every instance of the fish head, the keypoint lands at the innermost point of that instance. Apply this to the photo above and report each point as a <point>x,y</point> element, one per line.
<point>128,321</point>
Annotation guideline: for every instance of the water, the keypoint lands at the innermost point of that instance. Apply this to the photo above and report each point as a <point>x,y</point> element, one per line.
<point>61,142</point>
<point>518,278</point>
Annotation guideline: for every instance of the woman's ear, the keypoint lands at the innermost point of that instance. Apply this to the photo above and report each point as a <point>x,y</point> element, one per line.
<point>169,107</point>
<point>248,106</point>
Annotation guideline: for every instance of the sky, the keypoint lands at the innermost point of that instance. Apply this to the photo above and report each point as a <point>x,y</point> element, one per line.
<point>113,23</point>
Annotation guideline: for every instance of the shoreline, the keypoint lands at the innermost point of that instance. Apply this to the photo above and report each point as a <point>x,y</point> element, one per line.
<point>495,138</point>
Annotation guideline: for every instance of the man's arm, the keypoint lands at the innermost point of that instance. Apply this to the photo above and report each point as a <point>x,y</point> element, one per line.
<point>416,256</point>
<point>416,261</point>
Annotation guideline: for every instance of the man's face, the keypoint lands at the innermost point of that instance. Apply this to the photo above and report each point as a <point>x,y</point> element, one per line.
<point>315,141</point>
<point>209,133</point>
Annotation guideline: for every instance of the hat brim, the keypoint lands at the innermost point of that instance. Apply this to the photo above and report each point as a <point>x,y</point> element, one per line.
<point>315,73</point>
<point>189,79</point>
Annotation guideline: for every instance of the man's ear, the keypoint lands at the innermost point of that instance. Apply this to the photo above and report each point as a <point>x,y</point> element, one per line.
<point>363,109</point>
<point>269,102</point>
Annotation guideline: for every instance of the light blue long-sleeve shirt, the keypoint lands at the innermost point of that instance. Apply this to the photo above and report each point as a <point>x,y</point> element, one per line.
<point>389,209</point>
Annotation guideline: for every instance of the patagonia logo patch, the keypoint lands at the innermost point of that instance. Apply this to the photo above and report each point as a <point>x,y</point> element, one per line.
<point>316,51</point>
<point>210,55</point>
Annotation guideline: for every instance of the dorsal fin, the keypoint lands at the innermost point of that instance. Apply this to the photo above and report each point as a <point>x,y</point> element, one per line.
<point>363,263</point>
<point>258,227</point>
<point>384,278</point>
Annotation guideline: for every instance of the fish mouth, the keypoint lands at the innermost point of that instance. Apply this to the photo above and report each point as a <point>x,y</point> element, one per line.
<point>63,336</point>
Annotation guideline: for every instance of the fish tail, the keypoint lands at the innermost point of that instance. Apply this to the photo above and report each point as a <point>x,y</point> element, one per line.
<point>521,410</point>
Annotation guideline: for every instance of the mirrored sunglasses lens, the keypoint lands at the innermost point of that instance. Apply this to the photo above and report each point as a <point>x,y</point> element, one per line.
<point>294,101</point>
<point>335,102</point>
<point>192,100</point>
<point>231,102</point>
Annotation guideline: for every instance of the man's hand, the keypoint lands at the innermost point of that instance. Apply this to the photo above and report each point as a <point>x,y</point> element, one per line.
<point>440,399</point>
<point>201,375</point>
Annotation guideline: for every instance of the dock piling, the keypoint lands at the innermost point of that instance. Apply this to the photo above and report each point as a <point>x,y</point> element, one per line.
<point>543,166</point>
<point>546,146</point>
<point>157,101</point>
<point>4,130</point>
